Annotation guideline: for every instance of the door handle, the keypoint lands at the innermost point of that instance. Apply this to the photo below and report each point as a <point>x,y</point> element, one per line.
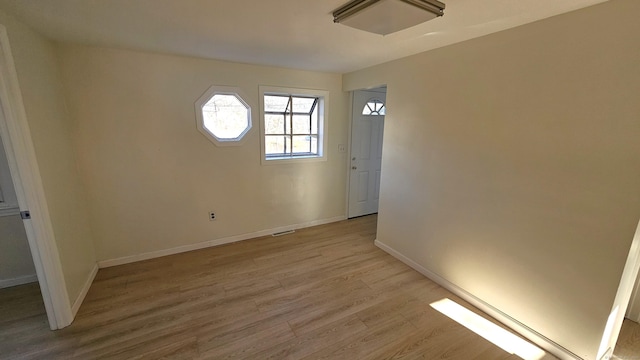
<point>354,167</point>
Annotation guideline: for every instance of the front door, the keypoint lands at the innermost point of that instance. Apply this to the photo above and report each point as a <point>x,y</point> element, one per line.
<point>366,151</point>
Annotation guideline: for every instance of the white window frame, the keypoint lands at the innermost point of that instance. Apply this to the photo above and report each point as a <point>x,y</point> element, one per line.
<point>222,90</point>
<point>323,111</point>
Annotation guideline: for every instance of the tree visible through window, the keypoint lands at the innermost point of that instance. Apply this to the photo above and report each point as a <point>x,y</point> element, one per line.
<point>294,125</point>
<point>291,125</point>
<point>223,116</point>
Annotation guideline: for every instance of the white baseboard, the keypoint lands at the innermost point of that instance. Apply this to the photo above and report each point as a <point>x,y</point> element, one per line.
<point>505,319</point>
<point>217,242</point>
<point>18,281</point>
<point>84,291</point>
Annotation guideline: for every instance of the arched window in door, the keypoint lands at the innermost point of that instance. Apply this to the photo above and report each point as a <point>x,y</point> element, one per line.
<point>374,107</point>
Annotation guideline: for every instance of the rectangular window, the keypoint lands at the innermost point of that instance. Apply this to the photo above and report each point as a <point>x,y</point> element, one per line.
<point>293,124</point>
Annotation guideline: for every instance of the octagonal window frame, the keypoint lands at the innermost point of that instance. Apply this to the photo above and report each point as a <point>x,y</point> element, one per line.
<point>205,98</point>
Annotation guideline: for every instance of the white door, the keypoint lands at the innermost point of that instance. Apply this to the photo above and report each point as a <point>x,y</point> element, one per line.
<point>27,184</point>
<point>366,151</point>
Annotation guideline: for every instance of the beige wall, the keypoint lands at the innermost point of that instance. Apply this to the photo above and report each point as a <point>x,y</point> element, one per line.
<point>152,177</point>
<point>511,166</point>
<point>51,132</point>
<point>15,257</point>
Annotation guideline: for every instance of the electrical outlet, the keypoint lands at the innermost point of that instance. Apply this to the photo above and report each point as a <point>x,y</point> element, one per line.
<point>212,216</point>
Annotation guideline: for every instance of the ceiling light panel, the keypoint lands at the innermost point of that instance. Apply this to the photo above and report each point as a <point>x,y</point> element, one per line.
<point>387,16</point>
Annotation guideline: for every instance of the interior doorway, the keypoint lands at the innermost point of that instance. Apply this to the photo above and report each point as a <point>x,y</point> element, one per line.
<point>633,311</point>
<point>16,263</point>
<point>20,295</point>
<point>367,131</point>
<point>29,191</point>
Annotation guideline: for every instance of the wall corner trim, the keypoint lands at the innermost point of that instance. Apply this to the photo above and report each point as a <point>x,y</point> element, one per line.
<point>84,291</point>
<point>222,241</point>
<point>495,313</point>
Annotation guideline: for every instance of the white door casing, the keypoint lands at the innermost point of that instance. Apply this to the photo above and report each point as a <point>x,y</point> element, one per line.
<point>366,154</point>
<point>633,311</point>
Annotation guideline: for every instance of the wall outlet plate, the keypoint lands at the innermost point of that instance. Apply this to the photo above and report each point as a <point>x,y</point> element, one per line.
<point>212,216</point>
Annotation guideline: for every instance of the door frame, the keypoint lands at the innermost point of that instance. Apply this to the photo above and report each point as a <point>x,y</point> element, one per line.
<point>633,311</point>
<point>27,182</point>
<point>624,299</point>
<point>350,144</point>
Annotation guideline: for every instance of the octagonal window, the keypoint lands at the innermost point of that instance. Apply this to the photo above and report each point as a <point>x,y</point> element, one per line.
<point>223,116</point>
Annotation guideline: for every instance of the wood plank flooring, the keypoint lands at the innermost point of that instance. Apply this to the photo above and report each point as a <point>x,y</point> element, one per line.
<point>628,345</point>
<point>321,293</point>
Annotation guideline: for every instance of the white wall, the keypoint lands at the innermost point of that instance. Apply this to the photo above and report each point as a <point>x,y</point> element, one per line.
<point>51,133</point>
<point>152,177</point>
<point>511,166</point>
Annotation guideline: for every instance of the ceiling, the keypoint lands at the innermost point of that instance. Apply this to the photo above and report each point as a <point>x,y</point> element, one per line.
<point>296,34</point>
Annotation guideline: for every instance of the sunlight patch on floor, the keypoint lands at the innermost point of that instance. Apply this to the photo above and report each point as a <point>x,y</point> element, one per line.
<point>488,330</point>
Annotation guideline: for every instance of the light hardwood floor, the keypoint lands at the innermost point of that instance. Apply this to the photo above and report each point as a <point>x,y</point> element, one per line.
<point>628,345</point>
<point>321,293</point>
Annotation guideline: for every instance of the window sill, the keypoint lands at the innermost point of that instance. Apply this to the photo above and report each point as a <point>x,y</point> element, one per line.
<point>292,160</point>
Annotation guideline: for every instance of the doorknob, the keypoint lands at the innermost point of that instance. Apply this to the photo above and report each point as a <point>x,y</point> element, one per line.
<point>354,167</point>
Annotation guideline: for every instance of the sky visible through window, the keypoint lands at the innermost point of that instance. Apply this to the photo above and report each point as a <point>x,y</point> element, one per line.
<point>225,116</point>
<point>374,107</point>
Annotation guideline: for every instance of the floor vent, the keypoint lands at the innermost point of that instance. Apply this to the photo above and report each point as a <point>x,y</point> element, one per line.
<point>283,233</point>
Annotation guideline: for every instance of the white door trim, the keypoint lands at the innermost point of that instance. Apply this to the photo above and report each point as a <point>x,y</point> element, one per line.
<point>622,299</point>
<point>633,312</point>
<point>23,165</point>
<point>349,131</point>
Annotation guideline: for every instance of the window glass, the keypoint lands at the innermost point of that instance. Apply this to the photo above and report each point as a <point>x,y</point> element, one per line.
<point>293,124</point>
<point>374,107</point>
<point>302,124</point>
<point>274,124</point>
<point>303,105</point>
<point>223,116</point>
<point>276,103</point>
<point>275,145</point>
<point>302,144</point>
<point>295,120</point>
